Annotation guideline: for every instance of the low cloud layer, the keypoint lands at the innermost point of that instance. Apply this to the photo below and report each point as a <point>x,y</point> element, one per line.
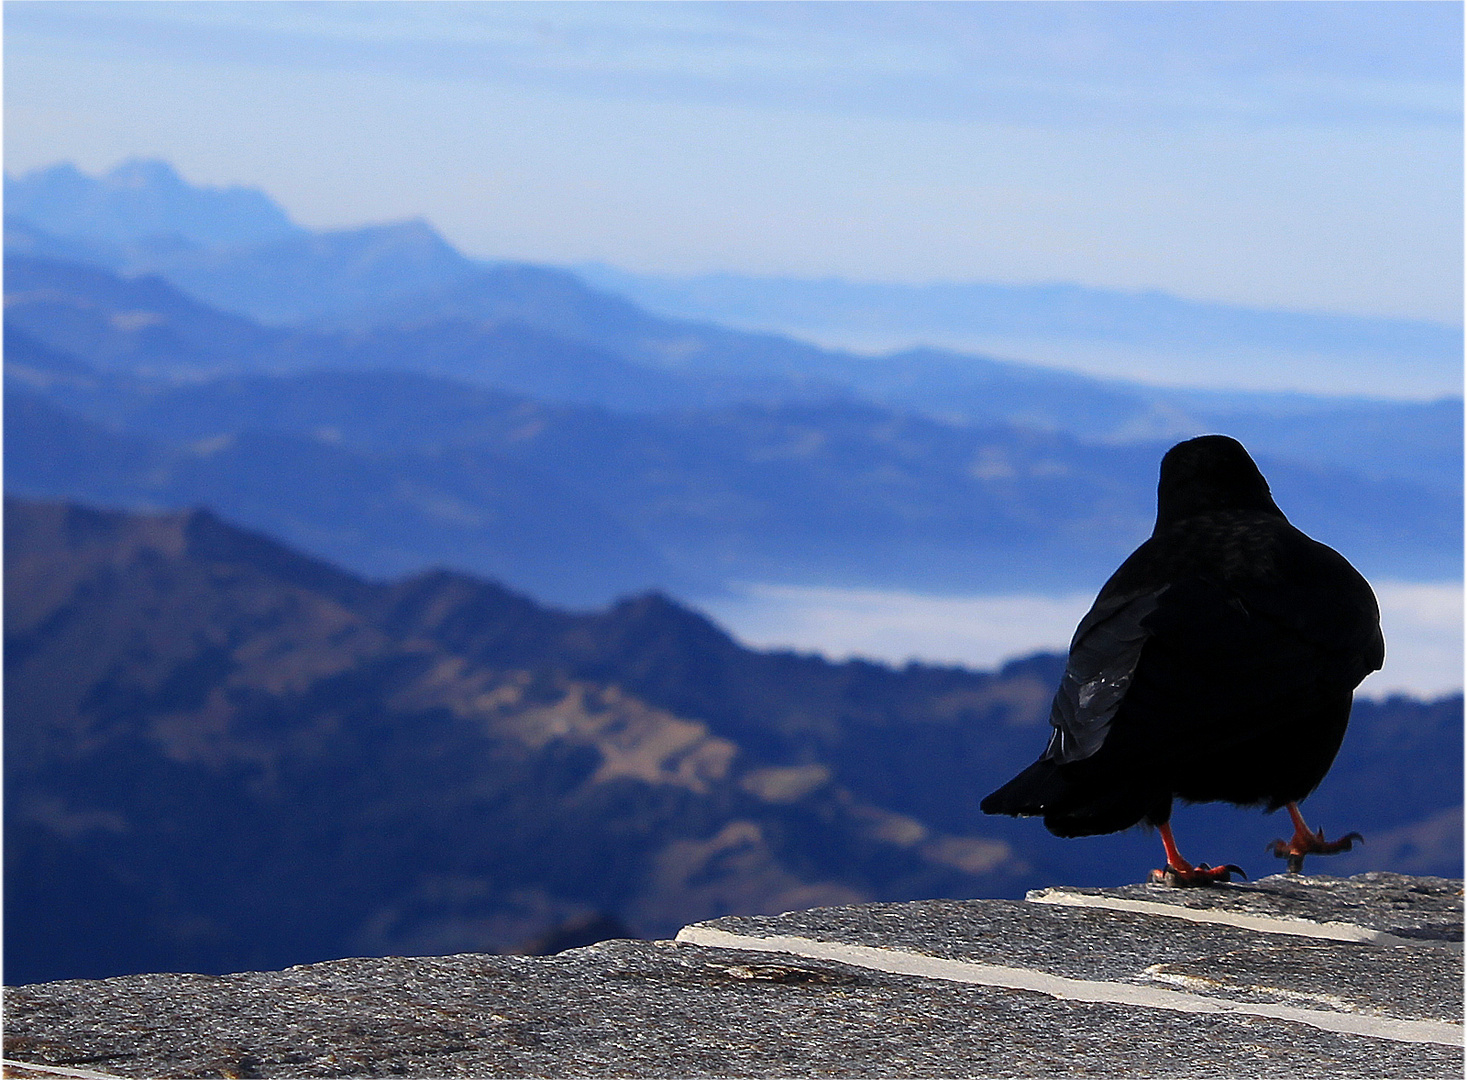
<point>1423,627</point>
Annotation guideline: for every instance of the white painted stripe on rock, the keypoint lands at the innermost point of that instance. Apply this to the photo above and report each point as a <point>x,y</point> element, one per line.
<point>897,962</point>
<point>55,1070</point>
<point>1268,924</point>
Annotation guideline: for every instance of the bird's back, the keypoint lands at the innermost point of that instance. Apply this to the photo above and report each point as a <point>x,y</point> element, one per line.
<point>1217,663</point>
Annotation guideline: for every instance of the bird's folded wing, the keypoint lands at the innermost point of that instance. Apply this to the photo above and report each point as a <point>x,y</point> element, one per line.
<point>1199,654</point>
<point>1103,657</point>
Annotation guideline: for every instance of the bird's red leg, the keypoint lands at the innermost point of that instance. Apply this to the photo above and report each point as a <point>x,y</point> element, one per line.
<point>1181,873</point>
<point>1305,842</point>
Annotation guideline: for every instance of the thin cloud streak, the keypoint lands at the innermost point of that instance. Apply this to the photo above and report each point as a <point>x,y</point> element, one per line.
<point>1076,63</point>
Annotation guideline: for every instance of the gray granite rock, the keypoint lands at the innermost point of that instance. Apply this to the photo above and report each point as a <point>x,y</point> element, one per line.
<point>663,1009</point>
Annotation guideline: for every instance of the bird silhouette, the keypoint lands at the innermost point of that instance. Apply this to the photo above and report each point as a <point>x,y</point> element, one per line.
<point>1218,664</point>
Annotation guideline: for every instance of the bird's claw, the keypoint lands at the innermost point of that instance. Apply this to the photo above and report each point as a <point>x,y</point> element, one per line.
<point>1307,843</point>
<point>1195,876</point>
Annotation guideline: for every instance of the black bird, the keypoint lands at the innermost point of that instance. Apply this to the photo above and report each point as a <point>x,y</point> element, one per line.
<point>1217,664</point>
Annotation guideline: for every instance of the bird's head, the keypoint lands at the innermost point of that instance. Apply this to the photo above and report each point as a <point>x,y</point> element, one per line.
<point>1209,473</point>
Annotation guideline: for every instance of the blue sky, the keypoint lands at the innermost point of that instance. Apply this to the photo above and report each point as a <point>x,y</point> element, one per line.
<point>1300,155</point>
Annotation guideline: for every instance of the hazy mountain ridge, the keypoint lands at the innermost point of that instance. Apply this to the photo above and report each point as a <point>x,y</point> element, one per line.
<point>145,325</point>
<point>639,362</point>
<point>139,325</point>
<point>290,279</point>
<point>404,278</point>
<point>1152,337</point>
<point>390,471</point>
<point>1145,317</point>
<point>248,758</point>
<point>143,201</point>
<point>611,450</point>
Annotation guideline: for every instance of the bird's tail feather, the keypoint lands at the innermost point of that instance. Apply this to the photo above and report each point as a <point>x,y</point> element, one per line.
<point>1027,794</point>
<point>1072,802</point>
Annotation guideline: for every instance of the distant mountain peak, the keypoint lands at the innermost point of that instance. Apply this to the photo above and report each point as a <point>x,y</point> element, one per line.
<point>412,248</point>
<point>141,199</point>
<point>63,172</point>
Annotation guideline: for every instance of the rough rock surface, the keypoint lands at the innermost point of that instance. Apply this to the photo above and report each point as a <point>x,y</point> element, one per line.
<point>661,1009</point>
<point>1407,907</point>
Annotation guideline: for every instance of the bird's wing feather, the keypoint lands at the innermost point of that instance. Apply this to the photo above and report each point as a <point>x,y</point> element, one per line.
<point>1103,657</point>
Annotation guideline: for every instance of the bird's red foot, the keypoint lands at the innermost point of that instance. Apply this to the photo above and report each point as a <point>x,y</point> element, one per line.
<point>1181,874</point>
<point>1311,843</point>
<point>1186,877</point>
<point>1304,842</point>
